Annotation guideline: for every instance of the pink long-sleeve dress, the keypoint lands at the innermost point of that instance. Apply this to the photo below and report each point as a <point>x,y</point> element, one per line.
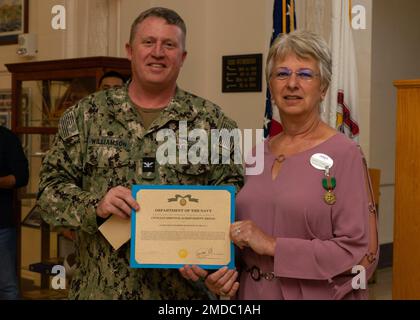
<point>316,243</point>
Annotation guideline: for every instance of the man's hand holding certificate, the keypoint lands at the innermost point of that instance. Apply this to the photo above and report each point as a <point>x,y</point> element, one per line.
<point>179,225</point>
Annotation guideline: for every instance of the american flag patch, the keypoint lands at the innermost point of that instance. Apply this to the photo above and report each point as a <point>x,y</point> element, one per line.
<point>227,128</point>
<point>68,127</point>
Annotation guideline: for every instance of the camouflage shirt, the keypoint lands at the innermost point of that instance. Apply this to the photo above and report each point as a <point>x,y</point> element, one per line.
<point>100,144</point>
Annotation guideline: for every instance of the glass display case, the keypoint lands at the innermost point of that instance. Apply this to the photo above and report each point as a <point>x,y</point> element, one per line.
<point>41,91</point>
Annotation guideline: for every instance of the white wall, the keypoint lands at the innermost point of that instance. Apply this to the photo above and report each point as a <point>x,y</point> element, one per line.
<point>395,55</point>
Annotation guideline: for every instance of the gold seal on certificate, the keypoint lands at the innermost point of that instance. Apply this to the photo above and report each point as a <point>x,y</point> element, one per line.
<point>179,225</point>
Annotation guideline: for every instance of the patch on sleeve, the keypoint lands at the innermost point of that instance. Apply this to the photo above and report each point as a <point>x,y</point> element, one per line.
<point>227,123</point>
<point>228,129</point>
<point>68,126</point>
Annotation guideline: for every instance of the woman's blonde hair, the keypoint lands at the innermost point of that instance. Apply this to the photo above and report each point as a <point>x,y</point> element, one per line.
<point>304,44</point>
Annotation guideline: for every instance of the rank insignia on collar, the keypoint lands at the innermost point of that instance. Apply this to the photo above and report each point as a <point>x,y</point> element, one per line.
<point>148,164</point>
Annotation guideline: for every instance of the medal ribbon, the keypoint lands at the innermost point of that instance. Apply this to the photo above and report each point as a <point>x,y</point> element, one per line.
<point>329,183</point>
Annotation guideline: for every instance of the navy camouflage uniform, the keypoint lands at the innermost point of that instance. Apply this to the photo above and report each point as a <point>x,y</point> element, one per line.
<point>101,143</point>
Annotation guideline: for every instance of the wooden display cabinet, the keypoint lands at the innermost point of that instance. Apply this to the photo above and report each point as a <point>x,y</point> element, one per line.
<point>41,91</point>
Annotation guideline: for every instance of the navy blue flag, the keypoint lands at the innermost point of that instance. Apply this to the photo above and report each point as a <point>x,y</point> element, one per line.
<point>284,21</point>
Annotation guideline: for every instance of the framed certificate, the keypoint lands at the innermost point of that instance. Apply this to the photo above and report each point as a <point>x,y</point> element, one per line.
<point>179,225</point>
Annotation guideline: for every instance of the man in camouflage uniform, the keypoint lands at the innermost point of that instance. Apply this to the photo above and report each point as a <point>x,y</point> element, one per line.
<point>100,151</point>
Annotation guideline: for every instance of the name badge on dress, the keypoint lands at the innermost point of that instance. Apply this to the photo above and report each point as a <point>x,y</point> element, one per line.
<point>323,162</point>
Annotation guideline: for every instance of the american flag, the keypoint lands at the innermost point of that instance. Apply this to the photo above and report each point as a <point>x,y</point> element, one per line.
<point>284,21</point>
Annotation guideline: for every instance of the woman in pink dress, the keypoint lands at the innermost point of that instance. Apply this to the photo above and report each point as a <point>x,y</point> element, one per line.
<point>306,220</point>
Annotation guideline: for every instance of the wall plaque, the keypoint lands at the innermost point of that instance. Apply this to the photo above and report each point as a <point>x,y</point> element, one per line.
<point>242,73</point>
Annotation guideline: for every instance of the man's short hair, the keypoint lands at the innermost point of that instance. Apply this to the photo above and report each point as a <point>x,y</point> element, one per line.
<point>111,74</point>
<point>170,16</point>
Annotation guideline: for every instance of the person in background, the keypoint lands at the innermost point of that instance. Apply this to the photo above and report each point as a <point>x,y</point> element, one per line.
<point>14,173</point>
<point>308,219</point>
<point>77,89</point>
<point>111,79</point>
<point>102,147</point>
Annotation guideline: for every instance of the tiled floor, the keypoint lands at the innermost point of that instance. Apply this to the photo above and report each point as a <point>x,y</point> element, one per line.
<point>382,288</point>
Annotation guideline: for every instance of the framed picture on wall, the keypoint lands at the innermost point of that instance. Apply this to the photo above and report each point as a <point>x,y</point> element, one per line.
<point>13,20</point>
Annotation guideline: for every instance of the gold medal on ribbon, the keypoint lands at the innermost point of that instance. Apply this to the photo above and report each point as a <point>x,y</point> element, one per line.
<point>329,184</point>
<point>329,197</point>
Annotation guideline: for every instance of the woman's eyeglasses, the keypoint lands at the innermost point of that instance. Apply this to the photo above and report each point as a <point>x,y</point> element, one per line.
<point>301,74</point>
